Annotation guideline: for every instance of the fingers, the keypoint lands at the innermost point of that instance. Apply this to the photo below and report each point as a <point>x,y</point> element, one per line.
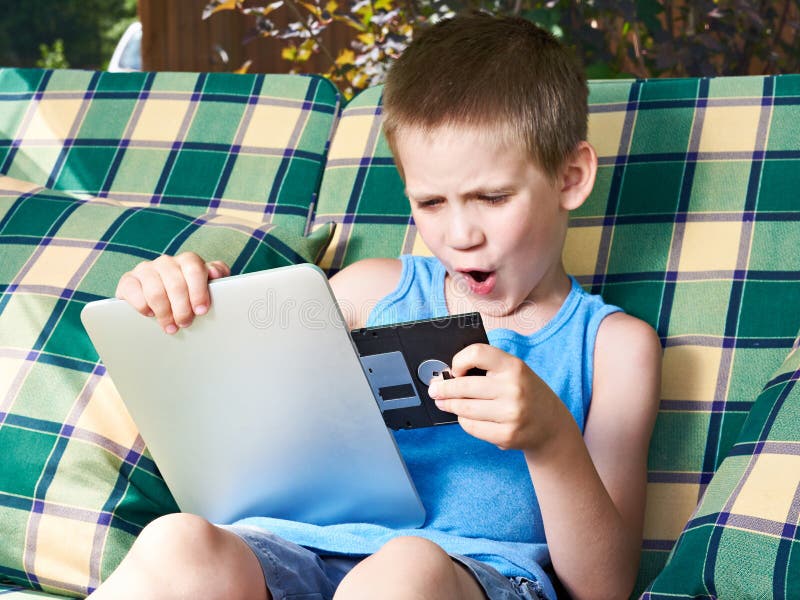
<point>198,284</point>
<point>467,408</point>
<point>473,398</point>
<point>173,289</point>
<point>466,396</point>
<point>217,269</point>
<point>190,281</point>
<point>481,356</point>
<point>166,292</point>
<point>468,386</point>
<point>500,397</point>
<point>186,282</point>
<point>129,288</point>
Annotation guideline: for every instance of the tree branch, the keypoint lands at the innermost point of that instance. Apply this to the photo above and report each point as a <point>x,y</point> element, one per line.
<point>315,37</point>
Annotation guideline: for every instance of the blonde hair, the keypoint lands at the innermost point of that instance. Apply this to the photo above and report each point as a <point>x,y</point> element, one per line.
<point>499,74</point>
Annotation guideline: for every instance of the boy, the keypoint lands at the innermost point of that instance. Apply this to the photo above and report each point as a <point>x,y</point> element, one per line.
<point>486,118</point>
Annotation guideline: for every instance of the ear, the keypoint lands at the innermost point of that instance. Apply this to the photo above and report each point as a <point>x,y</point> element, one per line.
<point>577,176</point>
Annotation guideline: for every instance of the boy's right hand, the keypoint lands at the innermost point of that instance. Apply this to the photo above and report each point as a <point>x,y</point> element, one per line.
<point>171,288</point>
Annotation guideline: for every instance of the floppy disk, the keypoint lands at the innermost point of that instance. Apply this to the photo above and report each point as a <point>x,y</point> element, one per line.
<point>400,361</point>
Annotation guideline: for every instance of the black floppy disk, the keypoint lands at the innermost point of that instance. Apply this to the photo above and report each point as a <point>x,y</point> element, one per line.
<point>401,359</point>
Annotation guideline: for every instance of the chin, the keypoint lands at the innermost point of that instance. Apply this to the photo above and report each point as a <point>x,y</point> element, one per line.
<point>493,307</point>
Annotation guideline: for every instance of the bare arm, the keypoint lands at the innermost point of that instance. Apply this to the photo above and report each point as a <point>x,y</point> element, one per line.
<point>592,489</point>
<point>360,286</point>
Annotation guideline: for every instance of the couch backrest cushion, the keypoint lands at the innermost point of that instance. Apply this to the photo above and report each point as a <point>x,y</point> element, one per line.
<point>76,481</point>
<point>743,540</point>
<point>250,146</point>
<point>693,226</point>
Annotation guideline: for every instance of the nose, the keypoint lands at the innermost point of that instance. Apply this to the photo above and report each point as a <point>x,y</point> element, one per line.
<point>464,230</point>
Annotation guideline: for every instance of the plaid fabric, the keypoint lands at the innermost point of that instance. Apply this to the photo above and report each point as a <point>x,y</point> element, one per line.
<point>249,146</point>
<point>76,482</point>
<point>362,191</point>
<point>15,592</point>
<point>693,226</point>
<point>749,513</point>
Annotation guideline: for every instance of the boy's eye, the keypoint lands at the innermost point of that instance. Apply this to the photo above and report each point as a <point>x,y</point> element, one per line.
<point>429,203</point>
<point>488,198</point>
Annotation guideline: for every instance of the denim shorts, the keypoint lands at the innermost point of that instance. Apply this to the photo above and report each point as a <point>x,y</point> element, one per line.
<point>292,571</point>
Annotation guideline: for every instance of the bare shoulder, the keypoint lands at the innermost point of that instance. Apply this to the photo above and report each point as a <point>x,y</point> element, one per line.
<point>359,286</point>
<point>621,334</point>
<point>627,372</point>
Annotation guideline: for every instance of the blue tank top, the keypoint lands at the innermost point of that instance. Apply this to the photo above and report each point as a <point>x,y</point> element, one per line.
<point>479,499</point>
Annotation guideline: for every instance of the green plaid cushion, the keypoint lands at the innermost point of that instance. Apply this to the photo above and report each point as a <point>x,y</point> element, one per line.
<point>362,192</point>
<point>693,226</point>
<point>76,482</point>
<point>741,539</point>
<point>250,146</point>
<point>15,592</point>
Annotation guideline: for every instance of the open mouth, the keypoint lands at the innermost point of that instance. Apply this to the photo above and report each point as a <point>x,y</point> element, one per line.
<point>479,276</point>
<point>480,282</point>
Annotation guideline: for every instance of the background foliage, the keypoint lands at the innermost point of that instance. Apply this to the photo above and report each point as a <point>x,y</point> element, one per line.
<point>88,30</point>
<point>640,38</point>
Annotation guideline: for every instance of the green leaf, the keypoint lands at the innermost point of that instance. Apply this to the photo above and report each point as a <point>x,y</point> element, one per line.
<point>604,70</point>
<point>648,11</point>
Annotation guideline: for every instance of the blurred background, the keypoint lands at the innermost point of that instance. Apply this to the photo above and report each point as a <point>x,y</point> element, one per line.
<point>354,42</point>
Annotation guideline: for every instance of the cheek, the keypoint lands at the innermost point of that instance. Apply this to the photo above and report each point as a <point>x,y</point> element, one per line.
<point>521,233</point>
<point>530,230</point>
<point>427,230</point>
<point>530,243</point>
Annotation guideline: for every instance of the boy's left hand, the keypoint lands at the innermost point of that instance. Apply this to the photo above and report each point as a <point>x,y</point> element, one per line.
<point>510,406</point>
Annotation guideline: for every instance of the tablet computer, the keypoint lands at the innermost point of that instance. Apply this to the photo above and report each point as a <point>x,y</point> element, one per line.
<point>261,407</point>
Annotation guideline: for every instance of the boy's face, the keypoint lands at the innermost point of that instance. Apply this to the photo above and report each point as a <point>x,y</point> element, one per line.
<point>490,215</point>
